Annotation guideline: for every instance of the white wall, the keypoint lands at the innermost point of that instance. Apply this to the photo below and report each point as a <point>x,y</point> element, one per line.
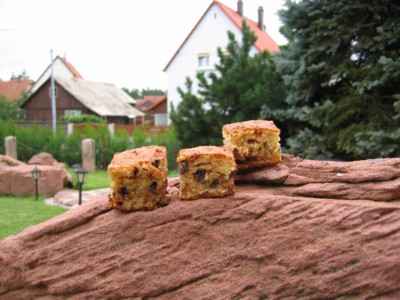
<point>210,34</point>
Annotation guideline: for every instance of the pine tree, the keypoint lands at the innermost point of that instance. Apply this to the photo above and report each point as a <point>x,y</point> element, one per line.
<point>343,75</point>
<point>242,85</point>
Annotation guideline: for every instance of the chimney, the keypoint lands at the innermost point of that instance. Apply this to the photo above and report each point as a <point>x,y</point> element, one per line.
<point>240,7</point>
<point>261,18</point>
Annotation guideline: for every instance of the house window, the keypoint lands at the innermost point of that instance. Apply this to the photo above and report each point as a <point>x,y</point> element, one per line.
<point>160,120</point>
<point>203,60</point>
<point>72,112</point>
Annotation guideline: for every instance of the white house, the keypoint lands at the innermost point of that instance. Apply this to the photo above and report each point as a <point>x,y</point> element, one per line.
<point>198,52</point>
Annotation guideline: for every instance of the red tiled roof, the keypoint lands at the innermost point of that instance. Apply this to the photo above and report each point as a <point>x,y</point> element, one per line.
<point>149,102</point>
<point>264,41</point>
<point>71,68</point>
<point>14,89</point>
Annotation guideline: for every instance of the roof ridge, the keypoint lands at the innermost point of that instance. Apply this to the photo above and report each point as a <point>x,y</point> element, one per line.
<point>70,67</point>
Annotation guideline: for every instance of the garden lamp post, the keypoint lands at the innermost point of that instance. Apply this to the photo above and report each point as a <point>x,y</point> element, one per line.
<point>35,176</point>
<point>80,175</point>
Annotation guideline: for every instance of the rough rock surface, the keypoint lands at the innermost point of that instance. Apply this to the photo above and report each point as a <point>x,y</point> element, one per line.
<point>266,242</point>
<point>46,159</point>
<point>272,175</point>
<point>8,161</point>
<point>16,178</point>
<point>43,159</point>
<point>377,179</point>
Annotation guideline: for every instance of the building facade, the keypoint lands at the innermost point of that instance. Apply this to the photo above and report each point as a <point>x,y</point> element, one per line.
<point>77,96</point>
<point>198,52</point>
<point>155,109</point>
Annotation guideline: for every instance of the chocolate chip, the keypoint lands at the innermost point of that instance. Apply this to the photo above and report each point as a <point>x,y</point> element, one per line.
<point>214,183</point>
<point>251,141</point>
<point>135,173</point>
<point>200,175</point>
<point>183,167</point>
<point>156,163</point>
<point>153,187</point>
<point>236,153</point>
<point>124,191</point>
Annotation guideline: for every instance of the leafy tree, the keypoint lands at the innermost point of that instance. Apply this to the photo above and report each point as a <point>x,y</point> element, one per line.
<point>139,94</point>
<point>342,70</point>
<point>241,85</point>
<point>134,93</point>
<point>22,76</point>
<point>8,110</point>
<point>152,92</point>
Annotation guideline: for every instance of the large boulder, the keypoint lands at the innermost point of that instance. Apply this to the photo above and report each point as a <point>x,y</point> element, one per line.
<point>8,161</point>
<point>43,159</point>
<point>266,242</point>
<point>16,178</point>
<point>17,181</point>
<point>46,159</point>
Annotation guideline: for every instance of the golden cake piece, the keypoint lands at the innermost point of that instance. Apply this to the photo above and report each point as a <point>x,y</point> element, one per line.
<point>253,143</point>
<point>138,178</point>
<point>206,172</point>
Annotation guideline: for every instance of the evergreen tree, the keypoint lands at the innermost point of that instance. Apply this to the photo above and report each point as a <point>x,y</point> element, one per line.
<point>343,75</point>
<point>241,85</point>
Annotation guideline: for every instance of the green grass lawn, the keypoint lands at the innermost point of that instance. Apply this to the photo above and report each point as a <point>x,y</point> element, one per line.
<point>96,180</point>
<point>18,213</point>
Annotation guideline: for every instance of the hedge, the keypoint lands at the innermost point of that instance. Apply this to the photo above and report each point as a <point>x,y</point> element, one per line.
<point>36,139</point>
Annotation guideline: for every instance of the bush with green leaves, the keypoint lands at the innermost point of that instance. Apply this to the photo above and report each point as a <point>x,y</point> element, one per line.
<point>84,119</point>
<point>9,110</point>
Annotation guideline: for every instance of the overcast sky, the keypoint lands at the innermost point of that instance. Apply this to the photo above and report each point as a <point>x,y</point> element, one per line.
<point>125,42</point>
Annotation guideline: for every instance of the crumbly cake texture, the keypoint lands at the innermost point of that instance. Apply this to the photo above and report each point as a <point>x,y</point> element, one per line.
<point>253,143</point>
<point>206,172</point>
<point>139,178</point>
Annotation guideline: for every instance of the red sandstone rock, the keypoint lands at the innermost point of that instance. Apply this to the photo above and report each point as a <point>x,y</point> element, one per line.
<point>7,161</point>
<point>46,159</point>
<point>270,175</point>
<point>262,243</point>
<point>43,159</point>
<point>377,179</point>
<point>51,180</point>
<point>5,180</point>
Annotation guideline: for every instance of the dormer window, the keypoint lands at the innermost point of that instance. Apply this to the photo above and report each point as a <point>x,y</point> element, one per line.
<point>204,60</point>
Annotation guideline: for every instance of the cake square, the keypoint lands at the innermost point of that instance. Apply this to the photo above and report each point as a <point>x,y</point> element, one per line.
<point>253,143</point>
<point>206,172</point>
<point>139,178</point>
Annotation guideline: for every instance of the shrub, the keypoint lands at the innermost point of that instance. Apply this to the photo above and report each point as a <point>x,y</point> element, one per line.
<point>36,139</point>
<point>9,110</point>
<point>84,119</point>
